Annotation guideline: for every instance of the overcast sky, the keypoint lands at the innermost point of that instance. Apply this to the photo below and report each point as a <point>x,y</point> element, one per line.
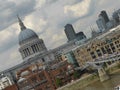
<point>47,18</point>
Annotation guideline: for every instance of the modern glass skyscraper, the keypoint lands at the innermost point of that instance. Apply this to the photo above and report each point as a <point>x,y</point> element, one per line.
<point>70,32</point>
<point>102,21</point>
<point>105,16</point>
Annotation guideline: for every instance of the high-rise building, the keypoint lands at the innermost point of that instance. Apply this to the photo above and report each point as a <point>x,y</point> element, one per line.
<point>105,16</point>
<point>69,31</point>
<point>101,23</point>
<point>80,36</point>
<point>116,16</point>
<point>72,35</point>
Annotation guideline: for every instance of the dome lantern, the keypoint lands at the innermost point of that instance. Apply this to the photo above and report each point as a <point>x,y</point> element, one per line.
<point>22,26</point>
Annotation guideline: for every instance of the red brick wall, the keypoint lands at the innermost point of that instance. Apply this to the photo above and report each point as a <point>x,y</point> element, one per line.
<point>12,87</point>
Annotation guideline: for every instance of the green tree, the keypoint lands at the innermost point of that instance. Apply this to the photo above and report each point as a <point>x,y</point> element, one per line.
<point>76,75</point>
<point>58,82</point>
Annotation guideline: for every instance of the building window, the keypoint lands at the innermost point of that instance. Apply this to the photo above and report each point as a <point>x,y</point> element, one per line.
<point>103,50</point>
<point>117,41</point>
<point>43,60</point>
<point>108,49</point>
<point>78,51</point>
<point>88,49</point>
<point>112,47</point>
<point>117,46</point>
<point>93,55</point>
<point>98,53</point>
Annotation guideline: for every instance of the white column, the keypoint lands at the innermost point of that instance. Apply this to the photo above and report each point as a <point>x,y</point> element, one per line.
<point>33,49</point>
<point>26,52</point>
<point>39,46</point>
<point>36,47</point>
<point>23,54</point>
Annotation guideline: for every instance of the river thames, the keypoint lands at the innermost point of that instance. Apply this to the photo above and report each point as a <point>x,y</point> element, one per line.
<point>107,85</point>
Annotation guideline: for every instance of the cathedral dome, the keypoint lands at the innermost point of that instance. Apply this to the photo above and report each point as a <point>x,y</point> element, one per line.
<point>30,44</point>
<point>27,34</point>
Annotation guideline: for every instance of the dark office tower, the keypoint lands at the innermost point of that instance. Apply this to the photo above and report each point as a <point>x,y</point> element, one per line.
<point>70,33</point>
<point>80,36</point>
<point>116,16</point>
<point>105,16</point>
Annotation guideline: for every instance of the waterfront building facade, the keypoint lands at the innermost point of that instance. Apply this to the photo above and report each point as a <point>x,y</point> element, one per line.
<point>99,47</point>
<point>69,56</point>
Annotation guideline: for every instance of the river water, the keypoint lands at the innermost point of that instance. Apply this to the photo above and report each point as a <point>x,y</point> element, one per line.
<point>107,85</point>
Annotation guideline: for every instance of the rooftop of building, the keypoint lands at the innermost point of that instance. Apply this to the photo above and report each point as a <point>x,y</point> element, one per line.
<point>101,37</point>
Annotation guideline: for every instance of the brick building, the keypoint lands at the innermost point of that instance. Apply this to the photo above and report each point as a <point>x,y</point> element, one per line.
<point>39,77</point>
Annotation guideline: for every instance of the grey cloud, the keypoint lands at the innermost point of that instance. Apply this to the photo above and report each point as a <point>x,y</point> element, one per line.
<point>9,10</point>
<point>51,1</point>
<point>10,58</point>
<point>70,2</point>
<point>72,20</point>
<point>8,44</point>
<point>57,19</point>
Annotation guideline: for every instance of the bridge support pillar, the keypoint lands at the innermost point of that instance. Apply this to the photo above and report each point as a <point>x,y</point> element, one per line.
<point>102,74</point>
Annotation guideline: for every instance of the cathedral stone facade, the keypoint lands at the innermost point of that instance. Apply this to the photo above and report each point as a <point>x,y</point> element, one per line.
<point>30,44</point>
